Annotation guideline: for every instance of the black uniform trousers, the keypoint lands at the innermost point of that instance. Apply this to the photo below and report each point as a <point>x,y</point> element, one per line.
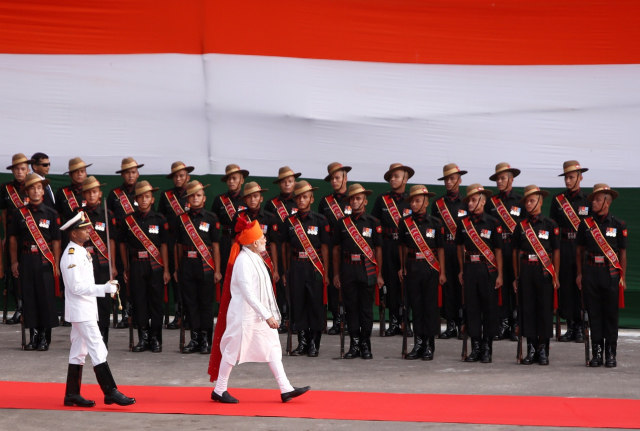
<point>226,240</point>
<point>13,283</point>
<point>508,295</point>
<point>175,286</point>
<point>390,268</point>
<point>568,294</point>
<point>147,290</point>
<point>451,291</point>
<point>536,292</point>
<point>38,291</point>
<point>481,300</point>
<point>421,282</point>
<point>358,296</point>
<point>101,275</point>
<point>306,289</point>
<point>601,294</point>
<point>333,297</point>
<point>198,292</point>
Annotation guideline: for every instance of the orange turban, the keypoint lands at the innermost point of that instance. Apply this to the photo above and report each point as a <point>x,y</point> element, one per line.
<point>248,232</point>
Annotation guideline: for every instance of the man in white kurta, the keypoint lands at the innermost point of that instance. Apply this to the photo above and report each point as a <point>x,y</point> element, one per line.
<point>252,317</point>
<point>81,310</point>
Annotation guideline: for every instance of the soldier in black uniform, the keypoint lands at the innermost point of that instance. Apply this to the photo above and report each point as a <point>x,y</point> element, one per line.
<point>420,277</point>
<point>568,220</point>
<point>197,276</point>
<point>146,275</point>
<point>534,282</point>
<point>281,207</point>
<point>97,246</point>
<point>19,168</point>
<point>601,277</point>
<point>37,271</point>
<point>226,205</point>
<point>129,173</point>
<point>40,164</point>
<point>507,209</point>
<point>356,275</point>
<point>306,283</point>
<point>337,177</point>
<point>397,177</point>
<point>451,204</point>
<point>172,204</point>
<point>480,277</point>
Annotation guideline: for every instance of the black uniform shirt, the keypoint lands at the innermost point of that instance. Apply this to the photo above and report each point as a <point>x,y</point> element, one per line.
<point>219,209</point>
<point>206,224</point>
<point>6,203</point>
<point>369,228</point>
<point>96,215</point>
<point>613,229</point>
<point>62,203</point>
<point>429,226</point>
<point>488,229</point>
<point>315,226</point>
<point>458,209</point>
<point>46,219</point>
<point>579,203</point>
<point>381,212</point>
<point>113,202</point>
<point>511,202</point>
<point>290,204</point>
<point>325,209</point>
<point>165,208</point>
<point>155,227</point>
<point>545,229</point>
<point>267,222</point>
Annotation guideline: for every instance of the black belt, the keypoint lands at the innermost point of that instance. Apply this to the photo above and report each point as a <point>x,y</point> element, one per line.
<point>349,258</point>
<point>474,258</point>
<point>598,260</point>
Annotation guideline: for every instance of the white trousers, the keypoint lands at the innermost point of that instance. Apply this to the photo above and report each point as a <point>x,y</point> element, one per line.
<point>86,338</point>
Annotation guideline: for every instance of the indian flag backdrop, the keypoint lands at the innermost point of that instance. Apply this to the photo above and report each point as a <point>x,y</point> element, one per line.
<point>304,83</point>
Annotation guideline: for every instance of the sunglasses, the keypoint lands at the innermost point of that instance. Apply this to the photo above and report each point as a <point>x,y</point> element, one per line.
<point>46,165</point>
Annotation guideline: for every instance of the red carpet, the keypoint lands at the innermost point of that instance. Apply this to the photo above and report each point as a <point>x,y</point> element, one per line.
<point>480,409</point>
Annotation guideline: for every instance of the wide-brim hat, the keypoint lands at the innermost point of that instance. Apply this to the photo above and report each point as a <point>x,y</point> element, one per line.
<point>476,188</point>
<point>450,169</point>
<point>602,188</point>
<point>128,163</point>
<point>179,166</point>
<point>91,182</point>
<point>419,190</point>
<point>532,189</point>
<point>18,159</point>
<point>303,187</point>
<point>195,186</point>
<point>76,222</point>
<point>285,172</point>
<point>398,166</point>
<point>232,169</point>
<point>75,164</point>
<point>356,189</point>
<point>572,166</point>
<point>504,167</point>
<point>33,178</point>
<point>143,187</point>
<point>252,187</point>
<point>335,167</point>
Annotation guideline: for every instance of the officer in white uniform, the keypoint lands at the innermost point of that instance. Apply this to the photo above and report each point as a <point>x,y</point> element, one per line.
<point>81,310</point>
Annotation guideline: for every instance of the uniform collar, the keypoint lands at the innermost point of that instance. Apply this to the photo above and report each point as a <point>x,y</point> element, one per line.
<point>476,218</point>
<point>453,196</point>
<point>535,218</point>
<point>603,218</point>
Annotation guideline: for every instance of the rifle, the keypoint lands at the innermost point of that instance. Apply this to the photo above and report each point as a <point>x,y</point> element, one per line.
<point>405,317</point>
<point>382,309</point>
<point>342,317</point>
<point>463,326</point>
<point>585,329</point>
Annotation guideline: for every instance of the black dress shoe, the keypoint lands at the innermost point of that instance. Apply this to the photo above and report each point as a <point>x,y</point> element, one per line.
<point>225,398</point>
<point>117,397</point>
<point>78,400</point>
<point>296,392</point>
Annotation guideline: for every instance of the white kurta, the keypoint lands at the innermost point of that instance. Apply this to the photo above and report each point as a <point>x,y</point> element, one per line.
<point>248,337</point>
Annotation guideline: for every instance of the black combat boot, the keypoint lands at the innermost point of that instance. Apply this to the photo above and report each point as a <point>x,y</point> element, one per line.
<point>354,348</point>
<point>34,338</point>
<point>365,348</point>
<point>394,327</point>
<point>515,330</point>
<point>111,393</point>
<point>194,345</point>
<point>532,354</point>
<point>543,352</point>
<point>72,395</point>
<point>175,323</point>
<point>596,351</point>
<point>429,349</point>
<point>314,344</point>
<point>335,329</point>
<point>474,356</point>
<point>570,335</point>
<point>143,341</point>
<point>610,354</point>
<point>15,319</point>
<point>418,348</point>
<point>504,331</point>
<point>124,322</point>
<point>579,332</point>
<point>43,343</point>
<point>303,345</point>
<point>450,332</point>
<point>156,342</point>
<point>487,350</point>
<point>205,347</point>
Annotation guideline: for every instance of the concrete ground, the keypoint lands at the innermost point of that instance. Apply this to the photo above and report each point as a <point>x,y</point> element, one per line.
<point>387,372</point>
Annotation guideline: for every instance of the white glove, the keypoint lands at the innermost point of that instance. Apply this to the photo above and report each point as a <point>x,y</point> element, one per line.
<point>111,286</point>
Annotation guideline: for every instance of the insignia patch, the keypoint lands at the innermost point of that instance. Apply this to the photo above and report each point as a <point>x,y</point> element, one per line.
<point>499,229</point>
<point>624,233</point>
<point>294,210</point>
<point>485,233</point>
<point>367,232</point>
<point>99,226</point>
<point>406,212</point>
<point>430,233</point>
<point>583,210</point>
<point>312,230</point>
<point>84,203</point>
<point>347,210</point>
<point>44,223</point>
<point>204,226</point>
<point>71,250</point>
<point>275,227</point>
<point>515,211</point>
<point>71,266</point>
<point>611,231</point>
<point>327,228</point>
<point>543,234</point>
<point>378,229</point>
<point>461,213</point>
<point>264,228</point>
<point>154,228</point>
<point>217,225</point>
<point>556,231</point>
<point>241,207</point>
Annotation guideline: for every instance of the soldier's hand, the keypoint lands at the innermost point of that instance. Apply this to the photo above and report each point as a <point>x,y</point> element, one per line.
<point>380,281</point>
<point>217,277</point>
<point>336,281</point>
<point>175,275</point>
<point>276,276</point>
<point>166,277</point>
<point>284,280</point>
<point>125,276</point>
<point>556,284</point>
<point>442,279</point>
<point>498,282</point>
<point>460,278</point>
<point>400,275</point>
<point>14,269</point>
<point>114,273</point>
<point>515,286</point>
<point>624,283</point>
<point>579,281</point>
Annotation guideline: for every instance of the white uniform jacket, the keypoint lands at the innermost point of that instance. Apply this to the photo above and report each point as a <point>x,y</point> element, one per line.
<point>80,288</point>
